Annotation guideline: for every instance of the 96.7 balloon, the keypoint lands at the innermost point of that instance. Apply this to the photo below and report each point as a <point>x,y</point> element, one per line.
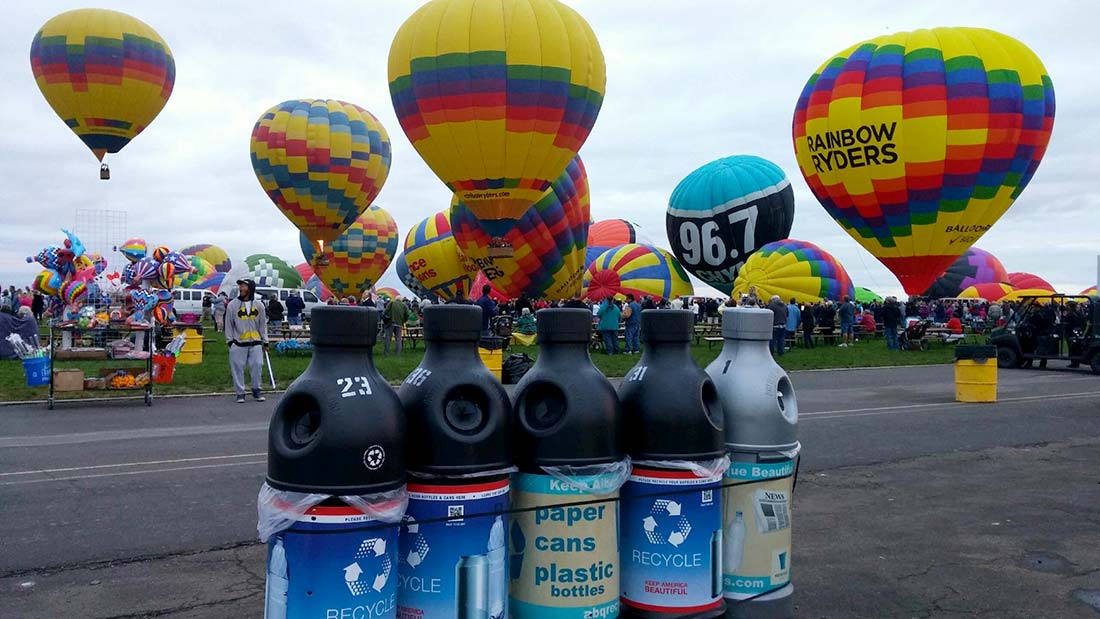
<point>724,211</point>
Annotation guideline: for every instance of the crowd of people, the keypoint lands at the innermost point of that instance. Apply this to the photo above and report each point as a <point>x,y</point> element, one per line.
<point>22,302</point>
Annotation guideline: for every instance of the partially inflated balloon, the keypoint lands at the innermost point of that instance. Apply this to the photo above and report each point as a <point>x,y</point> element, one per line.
<point>641,270</point>
<point>976,266</point>
<point>322,162</point>
<point>201,272</point>
<point>866,295</point>
<point>1028,281</point>
<point>988,291</point>
<point>409,279</point>
<point>496,294</point>
<point>1089,291</point>
<point>497,97</point>
<point>917,142</point>
<point>269,272</point>
<point>352,263</point>
<point>106,74</point>
<point>724,211</point>
<point>387,293</point>
<point>608,233</point>
<point>211,253</point>
<point>434,262</point>
<point>792,268</point>
<point>546,246</point>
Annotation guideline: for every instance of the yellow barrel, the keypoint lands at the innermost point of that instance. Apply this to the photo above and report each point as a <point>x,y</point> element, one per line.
<point>492,360</point>
<point>976,374</point>
<point>191,354</point>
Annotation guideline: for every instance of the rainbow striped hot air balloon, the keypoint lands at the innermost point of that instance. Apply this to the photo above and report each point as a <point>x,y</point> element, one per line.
<point>641,270</point>
<point>547,244</point>
<point>974,267</point>
<point>213,254</point>
<point>497,97</point>
<point>434,262</point>
<point>917,142</point>
<point>322,162</point>
<point>105,73</point>
<point>352,263</point>
<point>793,268</point>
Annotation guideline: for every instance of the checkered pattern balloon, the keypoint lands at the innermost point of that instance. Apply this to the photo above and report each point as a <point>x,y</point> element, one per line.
<point>352,263</point>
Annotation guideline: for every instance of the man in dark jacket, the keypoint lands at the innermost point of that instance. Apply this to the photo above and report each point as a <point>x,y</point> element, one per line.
<point>488,308</point>
<point>779,324</point>
<point>294,307</point>
<point>891,320</point>
<point>808,323</point>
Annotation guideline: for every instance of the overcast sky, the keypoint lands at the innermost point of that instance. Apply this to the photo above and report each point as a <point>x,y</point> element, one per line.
<point>687,82</point>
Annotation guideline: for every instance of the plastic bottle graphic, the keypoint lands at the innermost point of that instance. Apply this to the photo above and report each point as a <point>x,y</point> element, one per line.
<point>498,575</point>
<point>735,543</point>
<point>277,583</point>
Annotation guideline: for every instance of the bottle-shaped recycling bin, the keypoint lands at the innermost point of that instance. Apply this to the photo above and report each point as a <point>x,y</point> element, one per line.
<point>761,437</point>
<point>671,509</point>
<point>564,535</point>
<point>337,431</point>
<point>452,560</point>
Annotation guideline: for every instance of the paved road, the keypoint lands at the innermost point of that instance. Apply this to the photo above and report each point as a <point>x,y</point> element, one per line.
<point>97,503</point>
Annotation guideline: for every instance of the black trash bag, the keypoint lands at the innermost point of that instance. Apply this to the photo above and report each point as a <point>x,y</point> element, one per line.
<point>514,367</point>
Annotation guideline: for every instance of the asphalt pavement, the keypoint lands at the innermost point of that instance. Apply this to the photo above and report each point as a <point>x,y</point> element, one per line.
<point>908,503</point>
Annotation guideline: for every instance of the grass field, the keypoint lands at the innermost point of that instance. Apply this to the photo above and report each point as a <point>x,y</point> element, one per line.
<point>212,376</point>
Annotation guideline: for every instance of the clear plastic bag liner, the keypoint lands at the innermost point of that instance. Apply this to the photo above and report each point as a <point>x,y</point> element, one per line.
<point>493,473</point>
<point>703,468</point>
<point>279,509</point>
<point>597,479</point>
<point>791,454</point>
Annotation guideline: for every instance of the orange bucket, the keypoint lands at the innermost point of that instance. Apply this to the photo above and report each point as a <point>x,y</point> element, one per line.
<point>164,369</point>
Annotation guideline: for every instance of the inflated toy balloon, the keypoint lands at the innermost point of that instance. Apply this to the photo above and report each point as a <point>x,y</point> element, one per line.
<point>134,249</point>
<point>497,97</point>
<point>433,261</point>
<point>352,263</point>
<point>105,73</point>
<point>793,268</point>
<point>99,262</point>
<point>211,253</point>
<point>166,275</point>
<point>641,270</point>
<point>546,247</point>
<point>84,275</point>
<point>145,269</point>
<point>48,282</point>
<point>143,303</point>
<point>976,266</point>
<point>53,257</point>
<point>917,142</point>
<point>322,162</point>
<point>178,260</point>
<point>159,253</point>
<point>73,292</point>
<point>724,211</point>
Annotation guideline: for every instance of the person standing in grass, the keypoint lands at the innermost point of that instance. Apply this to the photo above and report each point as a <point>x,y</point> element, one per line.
<point>891,320</point>
<point>632,315</point>
<point>396,314</point>
<point>779,324</point>
<point>808,325</point>
<point>847,314</point>
<point>294,307</point>
<point>608,325</point>
<point>218,304</point>
<point>246,334</point>
<point>794,319</point>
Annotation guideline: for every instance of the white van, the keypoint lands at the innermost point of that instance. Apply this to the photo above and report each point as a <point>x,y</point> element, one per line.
<point>189,300</point>
<point>310,299</point>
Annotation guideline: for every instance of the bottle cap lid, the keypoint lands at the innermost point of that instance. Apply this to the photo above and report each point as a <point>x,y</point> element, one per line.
<point>452,323</point>
<point>342,325</point>
<point>747,323</point>
<point>564,325</point>
<point>667,325</point>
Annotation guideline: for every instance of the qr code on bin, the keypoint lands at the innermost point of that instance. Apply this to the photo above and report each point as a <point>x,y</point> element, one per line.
<point>456,511</point>
<point>708,496</point>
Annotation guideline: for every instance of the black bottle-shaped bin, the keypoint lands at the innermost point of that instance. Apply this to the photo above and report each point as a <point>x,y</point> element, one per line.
<point>452,557</point>
<point>672,504</point>
<point>564,534</point>
<point>335,486</point>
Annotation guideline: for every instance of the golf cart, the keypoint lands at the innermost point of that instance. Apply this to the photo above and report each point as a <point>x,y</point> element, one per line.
<point>1053,326</point>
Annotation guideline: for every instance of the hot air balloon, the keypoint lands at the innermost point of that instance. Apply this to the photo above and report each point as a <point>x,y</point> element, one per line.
<point>793,268</point>
<point>304,270</point>
<point>548,242</point>
<point>352,263</point>
<point>480,282</point>
<point>641,270</point>
<point>1028,281</point>
<point>608,233</point>
<point>976,266</point>
<point>497,97</point>
<point>269,272</point>
<point>865,295</point>
<point>1089,291</point>
<point>387,293</point>
<point>105,73</point>
<point>201,273</point>
<point>318,288</point>
<point>433,261</point>
<point>213,254</point>
<point>724,211</point>
<point>989,291</point>
<point>917,142</point>
<point>409,279</point>
<point>322,162</point>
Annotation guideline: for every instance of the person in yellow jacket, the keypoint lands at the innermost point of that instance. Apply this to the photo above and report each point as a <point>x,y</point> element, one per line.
<point>246,334</point>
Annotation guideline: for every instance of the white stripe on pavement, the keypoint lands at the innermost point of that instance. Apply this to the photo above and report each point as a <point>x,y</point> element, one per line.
<point>124,464</point>
<point>24,482</point>
<point>859,412</point>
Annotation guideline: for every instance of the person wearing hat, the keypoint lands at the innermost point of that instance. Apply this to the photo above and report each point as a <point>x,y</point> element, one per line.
<point>246,334</point>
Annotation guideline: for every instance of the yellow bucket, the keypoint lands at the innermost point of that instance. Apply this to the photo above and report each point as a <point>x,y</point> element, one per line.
<point>976,380</point>
<point>191,354</point>
<point>492,360</point>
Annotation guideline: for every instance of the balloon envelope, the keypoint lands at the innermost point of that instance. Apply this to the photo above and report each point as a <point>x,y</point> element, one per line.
<point>213,254</point>
<point>433,261</point>
<point>410,281</point>
<point>976,266</point>
<point>352,263</point>
<point>105,73</point>
<point>1089,291</point>
<point>917,142</point>
<point>270,272</point>
<point>322,162</point>
<point>608,233</point>
<point>497,97</point>
<point>793,268</point>
<point>865,295</point>
<point>724,211</point>
<point>988,291</point>
<point>641,270</point>
<point>547,244</point>
<point>1028,281</point>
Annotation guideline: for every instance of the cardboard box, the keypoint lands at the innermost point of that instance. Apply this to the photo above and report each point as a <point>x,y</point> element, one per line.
<point>68,380</point>
<point>80,353</point>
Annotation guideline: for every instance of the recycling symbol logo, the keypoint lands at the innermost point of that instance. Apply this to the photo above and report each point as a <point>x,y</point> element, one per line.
<point>418,544</point>
<point>371,554</point>
<point>666,523</point>
<point>374,457</point>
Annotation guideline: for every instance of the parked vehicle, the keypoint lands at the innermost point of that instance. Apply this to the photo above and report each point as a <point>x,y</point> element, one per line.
<point>1054,326</point>
<point>310,299</point>
<point>189,300</point>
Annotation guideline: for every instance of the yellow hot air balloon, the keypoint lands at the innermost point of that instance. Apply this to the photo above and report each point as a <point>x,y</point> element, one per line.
<point>434,261</point>
<point>497,96</point>
<point>917,142</point>
<point>105,73</point>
